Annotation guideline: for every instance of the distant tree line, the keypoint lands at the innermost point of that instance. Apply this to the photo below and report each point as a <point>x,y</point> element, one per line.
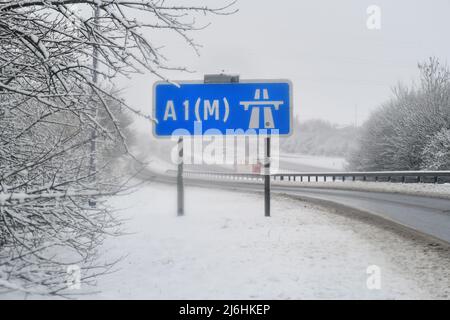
<point>318,137</point>
<point>411,131</point>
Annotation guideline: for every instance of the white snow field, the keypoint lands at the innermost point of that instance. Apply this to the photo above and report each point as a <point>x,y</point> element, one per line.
<point>327,163</point>
<point>224,248</point>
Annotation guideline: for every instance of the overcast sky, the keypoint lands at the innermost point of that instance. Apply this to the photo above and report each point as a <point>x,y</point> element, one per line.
<point>336,64</point>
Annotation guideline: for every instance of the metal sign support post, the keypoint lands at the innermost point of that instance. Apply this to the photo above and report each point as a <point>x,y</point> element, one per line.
<point>180,184</point>
<point>267,177</point>
<point>223,78</point>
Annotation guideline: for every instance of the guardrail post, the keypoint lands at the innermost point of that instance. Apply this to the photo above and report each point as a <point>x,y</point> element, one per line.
<point>267,179</point>
<point>180,186</point>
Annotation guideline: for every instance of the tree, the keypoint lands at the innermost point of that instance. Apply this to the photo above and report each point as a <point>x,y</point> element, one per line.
<point>318,137</point>
<point>395,135</point>
<point>50,54</point>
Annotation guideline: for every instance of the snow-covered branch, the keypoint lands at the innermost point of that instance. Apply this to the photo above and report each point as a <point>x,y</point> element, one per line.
<point>64,129</point>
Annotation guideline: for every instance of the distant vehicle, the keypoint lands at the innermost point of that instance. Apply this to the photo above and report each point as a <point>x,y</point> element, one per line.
<point>256,168</point>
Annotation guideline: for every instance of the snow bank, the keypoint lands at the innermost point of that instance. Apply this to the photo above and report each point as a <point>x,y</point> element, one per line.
<point>225,248</point>
<point>421,189</point>
<point>327,163</point>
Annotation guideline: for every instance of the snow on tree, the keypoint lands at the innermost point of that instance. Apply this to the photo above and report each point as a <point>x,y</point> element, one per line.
<point>436,154</point>
<point>395,135</point>
<point>53,110</point>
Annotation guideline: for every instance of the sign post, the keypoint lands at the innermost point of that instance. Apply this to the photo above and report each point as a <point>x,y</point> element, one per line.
<point>267,177</point>
<point>180,184</point>
<point>223,105</point>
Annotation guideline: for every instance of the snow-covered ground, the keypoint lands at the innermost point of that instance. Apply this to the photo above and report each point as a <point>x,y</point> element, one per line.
<point>327,163</point>
<point>225,248</point>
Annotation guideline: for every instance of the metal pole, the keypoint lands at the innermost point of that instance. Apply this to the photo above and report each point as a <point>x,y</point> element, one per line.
<point>267,179</point>
<point>93,155</point>
<point>180,186</point>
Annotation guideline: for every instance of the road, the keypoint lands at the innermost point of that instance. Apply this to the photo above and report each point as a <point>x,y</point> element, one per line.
<point>426,215</point>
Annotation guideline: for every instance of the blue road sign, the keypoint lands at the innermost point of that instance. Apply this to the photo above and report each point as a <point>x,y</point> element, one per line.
<point>244,108</point>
